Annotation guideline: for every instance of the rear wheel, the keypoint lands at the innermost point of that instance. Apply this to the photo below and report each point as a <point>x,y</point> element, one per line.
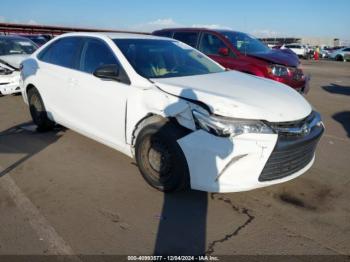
<point>160,158</point>
<point>38,111</point>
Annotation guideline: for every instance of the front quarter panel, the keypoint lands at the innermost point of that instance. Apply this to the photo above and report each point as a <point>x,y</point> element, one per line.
<point>143,103</point>
<point>28,73</point>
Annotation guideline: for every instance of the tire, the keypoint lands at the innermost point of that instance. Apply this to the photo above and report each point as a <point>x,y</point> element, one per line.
<point>339,58</point>
<point>160,158</point>
<point>38,111</point>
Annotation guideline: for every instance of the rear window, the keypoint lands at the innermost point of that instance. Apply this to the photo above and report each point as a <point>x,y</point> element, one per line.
<point>190,38</point>
<point>164,34</point>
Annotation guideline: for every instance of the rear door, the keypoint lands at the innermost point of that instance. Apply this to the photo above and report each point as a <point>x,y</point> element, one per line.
<point>56,64</point>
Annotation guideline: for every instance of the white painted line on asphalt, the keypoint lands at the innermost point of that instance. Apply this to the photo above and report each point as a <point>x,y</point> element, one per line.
<point>57,246</point>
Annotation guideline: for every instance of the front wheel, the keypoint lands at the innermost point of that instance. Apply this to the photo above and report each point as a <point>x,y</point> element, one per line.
<point>160,158</point>
<point>38,111</point>
<point>339,58</point>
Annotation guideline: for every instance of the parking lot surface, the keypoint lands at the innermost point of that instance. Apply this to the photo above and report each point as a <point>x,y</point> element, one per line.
<point>62,193</point>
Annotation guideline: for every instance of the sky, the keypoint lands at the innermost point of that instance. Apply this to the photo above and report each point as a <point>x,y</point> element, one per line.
<point>262,18</point>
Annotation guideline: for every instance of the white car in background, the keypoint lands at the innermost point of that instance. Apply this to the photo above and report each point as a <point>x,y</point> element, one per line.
<point>299,49</point>
<point>342,54</point>
<point>13,50</point>
<point>186,120</point>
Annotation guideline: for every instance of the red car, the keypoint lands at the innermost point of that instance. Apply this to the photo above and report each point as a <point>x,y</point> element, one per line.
<point>245,53</point>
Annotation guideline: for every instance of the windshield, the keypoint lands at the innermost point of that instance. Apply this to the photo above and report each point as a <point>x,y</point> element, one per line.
<point>246,44</point>
<point>164,59</point>
<point>16,46</point>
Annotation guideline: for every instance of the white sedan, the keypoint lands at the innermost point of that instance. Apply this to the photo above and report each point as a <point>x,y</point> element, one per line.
<point>13,50</point>
<point>299,49</point>
<point>186,120</point>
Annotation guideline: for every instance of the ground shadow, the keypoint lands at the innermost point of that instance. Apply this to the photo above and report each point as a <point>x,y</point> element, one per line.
<point>182,226</point>
<point>337,89</point>
<point>183,219</point>
<point>24,139</point>
<point>344,119</point>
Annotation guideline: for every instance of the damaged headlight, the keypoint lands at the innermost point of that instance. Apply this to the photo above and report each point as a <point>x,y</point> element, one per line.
<point>5,71</point>
<point>222,126</point>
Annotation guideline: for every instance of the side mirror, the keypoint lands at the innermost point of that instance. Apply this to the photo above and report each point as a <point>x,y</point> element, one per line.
<point>110,72</point>
<point>224,51</point>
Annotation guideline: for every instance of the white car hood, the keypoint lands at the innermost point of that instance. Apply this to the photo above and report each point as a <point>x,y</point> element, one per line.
<point>239,95</point>
<point>14,60</point>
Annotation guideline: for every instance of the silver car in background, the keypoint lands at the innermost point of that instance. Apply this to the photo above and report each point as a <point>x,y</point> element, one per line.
<point>13,50</point>
<point>342,54</point>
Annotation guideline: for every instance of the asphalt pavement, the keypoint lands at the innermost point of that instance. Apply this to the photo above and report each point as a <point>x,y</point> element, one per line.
<point>62,193</point>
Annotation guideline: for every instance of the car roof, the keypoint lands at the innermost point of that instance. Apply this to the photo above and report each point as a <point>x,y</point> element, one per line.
<point>218,30</point>
<point>116,35</point>
<point>14,37</point>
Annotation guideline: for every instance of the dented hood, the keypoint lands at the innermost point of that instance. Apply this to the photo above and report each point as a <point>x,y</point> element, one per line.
<point>13,60</point>
<point>239,95</point>
<point>280,56</point>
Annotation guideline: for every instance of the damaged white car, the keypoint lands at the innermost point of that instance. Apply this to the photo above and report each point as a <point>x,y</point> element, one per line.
<point>186,120</point>
<point>13,50</point>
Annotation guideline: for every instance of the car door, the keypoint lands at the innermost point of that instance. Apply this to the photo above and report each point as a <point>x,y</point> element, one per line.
<point>56,63</point>
<point>100,104</point>
<point>210,45</point>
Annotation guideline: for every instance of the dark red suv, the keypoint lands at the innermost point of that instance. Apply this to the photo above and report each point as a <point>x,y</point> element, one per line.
<point>245,53</point>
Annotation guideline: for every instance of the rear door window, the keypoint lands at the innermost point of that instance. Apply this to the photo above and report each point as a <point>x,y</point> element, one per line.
<point>210,44</point>
<point>63,52</point>
<point>190,38</point>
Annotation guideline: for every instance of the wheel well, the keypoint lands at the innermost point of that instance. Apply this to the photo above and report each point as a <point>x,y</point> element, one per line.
<point>30,86</point>
<point>151,119</point>
<point>148,119</point>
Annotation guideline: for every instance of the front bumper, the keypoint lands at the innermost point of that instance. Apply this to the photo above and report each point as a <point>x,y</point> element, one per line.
<point>10,84</point>
<point>305,87</point>
<point>246,162</point>
<point>10,88</point>
<point>300,81</point>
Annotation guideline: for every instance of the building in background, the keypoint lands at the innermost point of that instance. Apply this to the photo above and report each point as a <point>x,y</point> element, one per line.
<point>312,41</point>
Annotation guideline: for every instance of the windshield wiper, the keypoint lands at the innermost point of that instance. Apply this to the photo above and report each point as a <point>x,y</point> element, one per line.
<point>8,65</point>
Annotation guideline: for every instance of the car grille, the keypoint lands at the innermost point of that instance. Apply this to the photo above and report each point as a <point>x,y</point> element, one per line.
<point>296,128</point>
<point>293,151</point>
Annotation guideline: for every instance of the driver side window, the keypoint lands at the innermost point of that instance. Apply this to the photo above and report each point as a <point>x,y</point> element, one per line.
<point>210,44</point>
<point>94,54</point>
